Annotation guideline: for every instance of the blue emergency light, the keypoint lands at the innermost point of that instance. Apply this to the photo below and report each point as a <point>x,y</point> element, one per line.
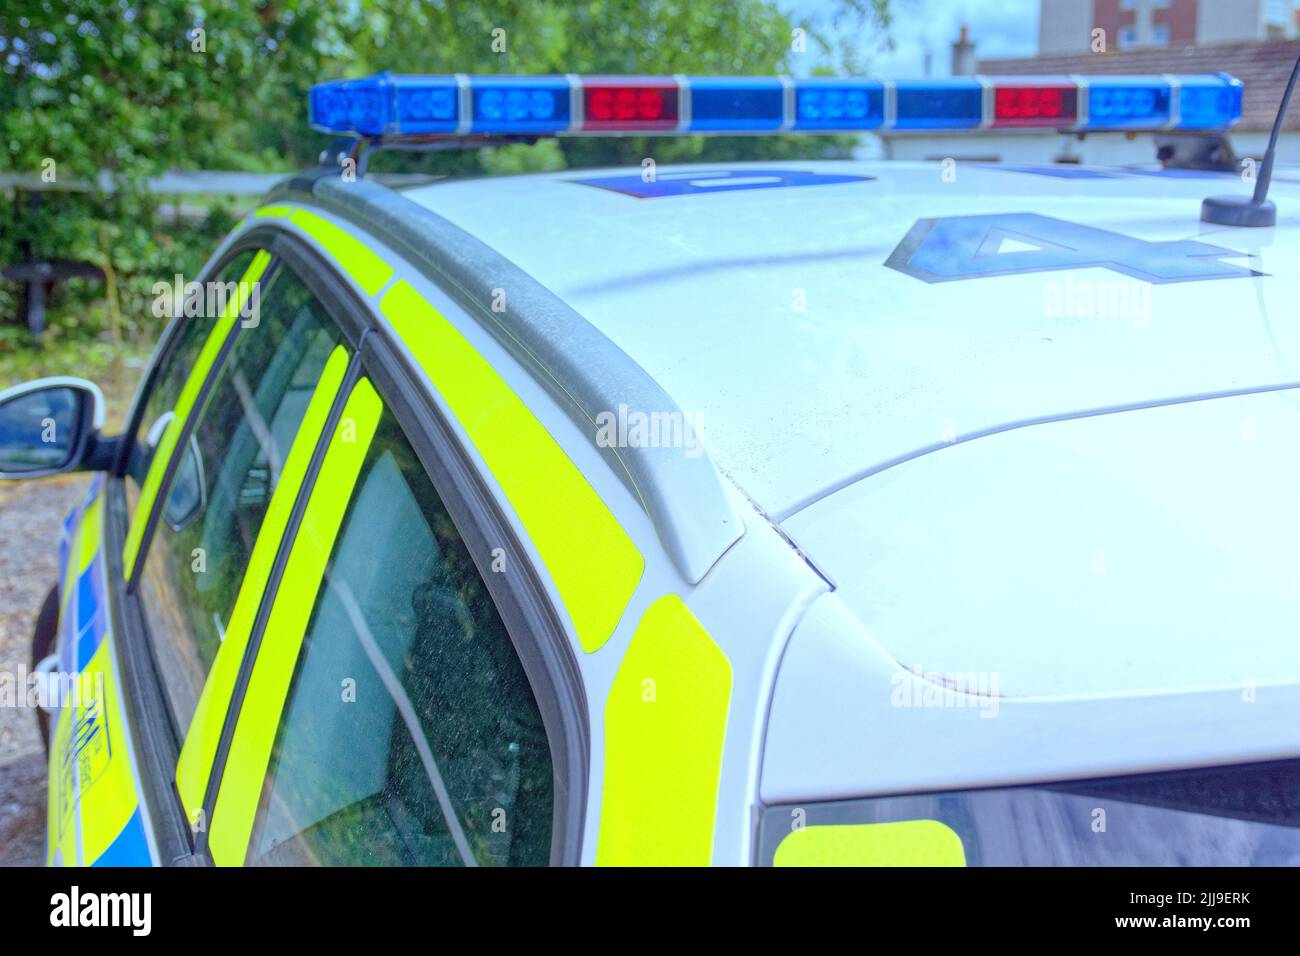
<point>388,105</point>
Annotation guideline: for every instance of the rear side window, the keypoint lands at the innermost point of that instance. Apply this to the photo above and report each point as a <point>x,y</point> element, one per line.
<point>410,735</point>
<point>222,486</point>
<point>1245,815</point>
<point>173,370</point>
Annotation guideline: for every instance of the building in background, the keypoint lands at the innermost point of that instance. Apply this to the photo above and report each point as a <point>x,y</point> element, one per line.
<point>1257,41</point>
<point>1065,26</point>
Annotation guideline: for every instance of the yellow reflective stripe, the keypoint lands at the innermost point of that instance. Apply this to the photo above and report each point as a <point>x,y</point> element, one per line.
<point>90,533</point>
<point>591,559</point>
<point>304,573</point>
<point>200,748</point>
<point>276,211</point>
<point>665,721</point>
<point>83,545</point>
<point>106,796</point>
<point>904,843</point>
<point>70,569</point>
<point>184,406</point>
<point>369,271</point>
<point>60,828</point>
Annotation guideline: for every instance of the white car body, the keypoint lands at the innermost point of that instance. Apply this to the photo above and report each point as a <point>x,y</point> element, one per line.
<point>1082,530</point>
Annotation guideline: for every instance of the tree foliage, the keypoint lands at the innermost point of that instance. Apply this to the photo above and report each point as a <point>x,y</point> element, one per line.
<point>133,88</point>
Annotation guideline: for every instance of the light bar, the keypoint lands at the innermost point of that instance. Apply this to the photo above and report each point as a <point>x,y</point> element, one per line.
<point>1129,102</point>
<point>532,104</point>
<point>934,105</point>
<point>1035,102</point>
<point>619,104</point>
<point>1208,102</point>
<point>740,104</point>
<point>824,105</point>
<point>388,105</point>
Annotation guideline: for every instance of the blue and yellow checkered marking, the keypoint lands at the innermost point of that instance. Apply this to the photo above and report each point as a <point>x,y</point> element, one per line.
<point>95,815</point>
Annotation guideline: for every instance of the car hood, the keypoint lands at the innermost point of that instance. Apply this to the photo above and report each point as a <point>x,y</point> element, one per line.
<point>1139,552</point>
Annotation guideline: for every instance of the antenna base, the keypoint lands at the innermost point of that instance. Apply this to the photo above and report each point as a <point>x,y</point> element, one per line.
<point>1238,211</point>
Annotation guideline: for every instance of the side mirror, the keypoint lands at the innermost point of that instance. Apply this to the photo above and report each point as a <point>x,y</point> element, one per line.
<point>50,426</point>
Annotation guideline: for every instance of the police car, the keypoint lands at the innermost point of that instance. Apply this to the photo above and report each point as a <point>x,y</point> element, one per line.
<point>795,513</point>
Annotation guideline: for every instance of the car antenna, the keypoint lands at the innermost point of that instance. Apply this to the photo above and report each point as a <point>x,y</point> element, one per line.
<point>1258,210</point>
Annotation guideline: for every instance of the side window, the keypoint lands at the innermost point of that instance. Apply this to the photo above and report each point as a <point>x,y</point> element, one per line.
<point>410,734</point>
<point>173,370</point>
<point>221,489</point>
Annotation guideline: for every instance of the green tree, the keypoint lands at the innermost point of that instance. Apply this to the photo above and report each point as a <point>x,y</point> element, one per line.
<point>129,89</point>
<point>107,95</point>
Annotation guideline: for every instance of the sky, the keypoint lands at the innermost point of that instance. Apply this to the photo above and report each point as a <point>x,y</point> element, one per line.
<point>999,28</point>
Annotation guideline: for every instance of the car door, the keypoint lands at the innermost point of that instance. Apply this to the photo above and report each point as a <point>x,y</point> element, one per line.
<point>95,812</point>
<point>204,481</point>
<point>229,504</point>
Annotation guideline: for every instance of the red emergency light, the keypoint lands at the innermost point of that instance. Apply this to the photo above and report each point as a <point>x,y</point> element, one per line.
<point>637,105</point>
<point>1036,105</point>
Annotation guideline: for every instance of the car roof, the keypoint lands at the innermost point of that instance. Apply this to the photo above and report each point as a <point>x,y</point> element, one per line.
<point>770,312</point>
<point>877,414</point>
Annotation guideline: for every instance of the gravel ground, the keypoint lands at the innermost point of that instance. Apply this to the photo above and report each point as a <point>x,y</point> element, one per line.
<point>31,513</point>
<point>22,811</point>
